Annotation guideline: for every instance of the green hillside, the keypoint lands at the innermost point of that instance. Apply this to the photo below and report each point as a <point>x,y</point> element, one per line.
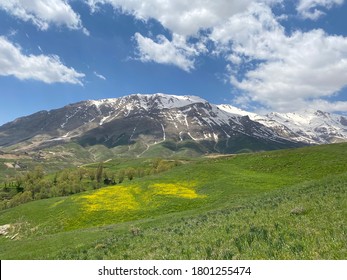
<point>286,204</point>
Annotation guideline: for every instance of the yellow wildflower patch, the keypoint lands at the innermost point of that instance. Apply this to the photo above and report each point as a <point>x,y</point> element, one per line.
<point>116,198</point>
<point>127,198</point>
<point>184,190</point>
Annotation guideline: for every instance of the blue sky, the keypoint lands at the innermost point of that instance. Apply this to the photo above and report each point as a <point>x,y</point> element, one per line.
<point>261,55</point>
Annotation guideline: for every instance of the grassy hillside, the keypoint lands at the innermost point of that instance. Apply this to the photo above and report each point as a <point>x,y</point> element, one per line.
<point>288,204</point>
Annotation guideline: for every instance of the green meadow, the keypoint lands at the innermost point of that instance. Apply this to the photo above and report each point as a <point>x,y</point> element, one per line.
<point>285,204</point>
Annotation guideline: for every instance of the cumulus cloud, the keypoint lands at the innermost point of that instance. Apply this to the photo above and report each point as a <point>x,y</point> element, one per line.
<point>180,16</point>
<point>267,65</point>
<point>183,18</point>
<point>48,69</point>
<point>311,9</point>
<point>286,72</point>
<point>254,33</point>
<point>175,52</point>
<point>44,13</point>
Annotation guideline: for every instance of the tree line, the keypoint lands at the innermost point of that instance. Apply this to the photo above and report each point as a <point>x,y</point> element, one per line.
<point>35,184</point>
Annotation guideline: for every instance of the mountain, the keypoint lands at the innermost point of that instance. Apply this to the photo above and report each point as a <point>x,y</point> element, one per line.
<point>312,127</point>
<point>138,124</point>
<point>308,126</point>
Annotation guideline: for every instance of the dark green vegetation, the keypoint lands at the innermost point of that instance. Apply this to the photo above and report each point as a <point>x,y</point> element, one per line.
<point>287,204</point>
<point>34,185</point>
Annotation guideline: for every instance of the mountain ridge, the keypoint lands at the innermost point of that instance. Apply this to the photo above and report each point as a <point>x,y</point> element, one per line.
<point>146,120</point>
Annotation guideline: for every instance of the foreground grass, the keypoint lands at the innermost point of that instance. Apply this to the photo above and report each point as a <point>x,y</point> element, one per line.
<point>307,221</point>
<point>277,205</point>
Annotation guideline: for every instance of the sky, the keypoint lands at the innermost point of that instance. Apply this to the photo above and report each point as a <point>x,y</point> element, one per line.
<point>258,55</point>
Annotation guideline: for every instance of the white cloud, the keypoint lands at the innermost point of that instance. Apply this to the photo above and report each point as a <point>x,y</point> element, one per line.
<point>99,76</point>
<point>270,67</point>
<point>310,8</point>
<point>48,69</point>
<point>326,106</point>
<point>279,71</point>
<point>253,33</point>
<point>180,16</point>
<point>44,13</point>
<point>183,18</point>
<point>175,52</point>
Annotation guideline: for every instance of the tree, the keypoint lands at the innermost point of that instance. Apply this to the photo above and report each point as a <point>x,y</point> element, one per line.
<point>81,172</point>
<point>38,172</point>
<point>55,179</point>
<point>92,176</point>
<point>130,173</point>
<point>121,175</point>
<point>99,172</point>
<point>140,172</point>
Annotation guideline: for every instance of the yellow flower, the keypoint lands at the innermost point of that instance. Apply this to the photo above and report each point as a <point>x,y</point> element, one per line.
<point>183,190</point>
<point>129,198</point>
<point>116,198</point>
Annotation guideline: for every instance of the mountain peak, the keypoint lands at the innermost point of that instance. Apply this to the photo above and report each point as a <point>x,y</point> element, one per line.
<point>164,100</point>
<point>148,101</point>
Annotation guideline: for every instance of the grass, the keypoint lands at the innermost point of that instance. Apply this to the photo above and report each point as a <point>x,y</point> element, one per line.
<point>262,228</point>
<point>288,204</point>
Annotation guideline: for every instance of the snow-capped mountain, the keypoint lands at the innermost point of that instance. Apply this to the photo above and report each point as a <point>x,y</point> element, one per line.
<point>175,122</point>
<point>308,126</point>
<point>314,127</point>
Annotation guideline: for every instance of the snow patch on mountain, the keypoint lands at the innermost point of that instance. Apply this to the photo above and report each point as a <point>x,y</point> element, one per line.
<point>314,127</point>
<point>235,111</point>
<point>308,126</point>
